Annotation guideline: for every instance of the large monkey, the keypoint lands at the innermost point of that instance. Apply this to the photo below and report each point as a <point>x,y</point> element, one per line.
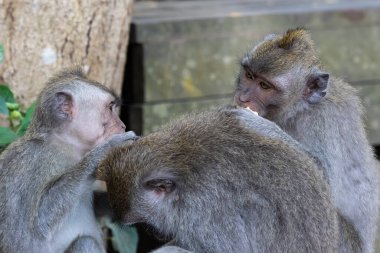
<point>220,182</point>
<point>46,176</point>
<point>282,79</point>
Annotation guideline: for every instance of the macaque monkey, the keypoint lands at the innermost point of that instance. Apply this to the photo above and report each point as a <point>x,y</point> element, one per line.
<point>282,79</point>
<point>218,182</point>
<point>46,176</point>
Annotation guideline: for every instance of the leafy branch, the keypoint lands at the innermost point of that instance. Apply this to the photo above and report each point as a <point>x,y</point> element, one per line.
<point>18,119</point>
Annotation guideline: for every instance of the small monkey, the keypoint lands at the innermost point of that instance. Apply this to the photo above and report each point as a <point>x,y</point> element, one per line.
<point>47,175</point>
<point>282,79</point>
<point>218,182</point>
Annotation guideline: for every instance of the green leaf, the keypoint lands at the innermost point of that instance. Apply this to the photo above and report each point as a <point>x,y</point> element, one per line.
<point>24,124</point>
<point>124,240</point>
<point>2,53</point>
<point>7,136</point>
<point>3,106</point>
<point>30,110</point>
<point>7,94</point>
<point>13,106</point>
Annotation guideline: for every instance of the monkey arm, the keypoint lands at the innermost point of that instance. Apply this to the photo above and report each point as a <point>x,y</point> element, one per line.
<point>264,127</point>
<point>268,128</point>
<point>62,193</point>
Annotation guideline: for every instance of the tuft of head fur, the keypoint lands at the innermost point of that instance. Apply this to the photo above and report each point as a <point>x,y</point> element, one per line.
<point>278,53</point>
<point>296,39</point>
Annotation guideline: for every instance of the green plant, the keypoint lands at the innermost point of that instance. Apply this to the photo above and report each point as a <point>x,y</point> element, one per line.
<point>122,239</point>
<point>16,118</point>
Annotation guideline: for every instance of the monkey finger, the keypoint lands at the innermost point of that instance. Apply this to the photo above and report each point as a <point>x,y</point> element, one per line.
<point>120,139</point>
<point>131,134</point>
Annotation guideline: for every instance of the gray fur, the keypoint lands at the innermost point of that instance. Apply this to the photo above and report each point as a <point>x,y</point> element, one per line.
<point>84,244</point>
<point>226,187</point>
<point>46,186</point>
<point>334,132</point>
<point>47,116</point>
<point>325,117</point>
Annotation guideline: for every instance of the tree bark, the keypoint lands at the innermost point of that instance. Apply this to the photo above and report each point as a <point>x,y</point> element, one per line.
<point>41,37</point>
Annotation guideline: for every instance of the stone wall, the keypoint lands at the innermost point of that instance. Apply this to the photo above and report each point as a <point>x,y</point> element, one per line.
<point>184,56</point>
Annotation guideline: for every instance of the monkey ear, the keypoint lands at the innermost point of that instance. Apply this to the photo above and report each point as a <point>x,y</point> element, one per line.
<point>160,186</point>
<point>316,87</point>
<point>65,105</point>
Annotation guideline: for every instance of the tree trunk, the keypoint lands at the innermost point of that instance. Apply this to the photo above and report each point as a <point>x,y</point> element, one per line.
<point>40,37</point>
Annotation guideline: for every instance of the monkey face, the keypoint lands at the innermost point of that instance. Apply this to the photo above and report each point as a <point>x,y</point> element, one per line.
<point>256,93</point>
<point>281,96</point>
<point>98,108</point>
<point>281,76</point>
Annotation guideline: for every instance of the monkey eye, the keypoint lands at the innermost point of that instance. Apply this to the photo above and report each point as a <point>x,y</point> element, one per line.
<point>264,85</point>
<point>111,106</point>
<point>248,75</point>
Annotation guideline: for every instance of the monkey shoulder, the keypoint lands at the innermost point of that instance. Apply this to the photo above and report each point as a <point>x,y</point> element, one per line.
<point>342,94</point>
<point>31,158</point>
<point>20,151</point>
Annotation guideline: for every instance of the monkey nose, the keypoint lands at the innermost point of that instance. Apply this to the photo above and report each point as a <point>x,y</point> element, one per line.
<point>238,100</point>
<point>241,97</point>
<point>245,102</point>
<point>122,125</point>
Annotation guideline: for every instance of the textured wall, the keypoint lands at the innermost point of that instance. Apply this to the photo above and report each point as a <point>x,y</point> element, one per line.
<point>190,62</point>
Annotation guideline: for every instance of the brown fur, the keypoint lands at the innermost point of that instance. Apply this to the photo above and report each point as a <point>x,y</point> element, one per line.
<point>274,55</point>
<point>217,182</point>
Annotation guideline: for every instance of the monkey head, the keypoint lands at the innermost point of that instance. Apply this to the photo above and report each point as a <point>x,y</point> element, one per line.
<point>77,110</point>
<point>281,75</point>
<point>139,183</point>
<point>154,179</point>
<point>219,174</point>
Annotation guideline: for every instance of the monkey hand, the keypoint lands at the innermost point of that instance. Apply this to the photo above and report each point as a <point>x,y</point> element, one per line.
<point>120,139</point>
<point>91,161</point>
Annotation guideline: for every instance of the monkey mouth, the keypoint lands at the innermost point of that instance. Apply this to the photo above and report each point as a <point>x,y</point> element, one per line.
<point>252,111</point>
